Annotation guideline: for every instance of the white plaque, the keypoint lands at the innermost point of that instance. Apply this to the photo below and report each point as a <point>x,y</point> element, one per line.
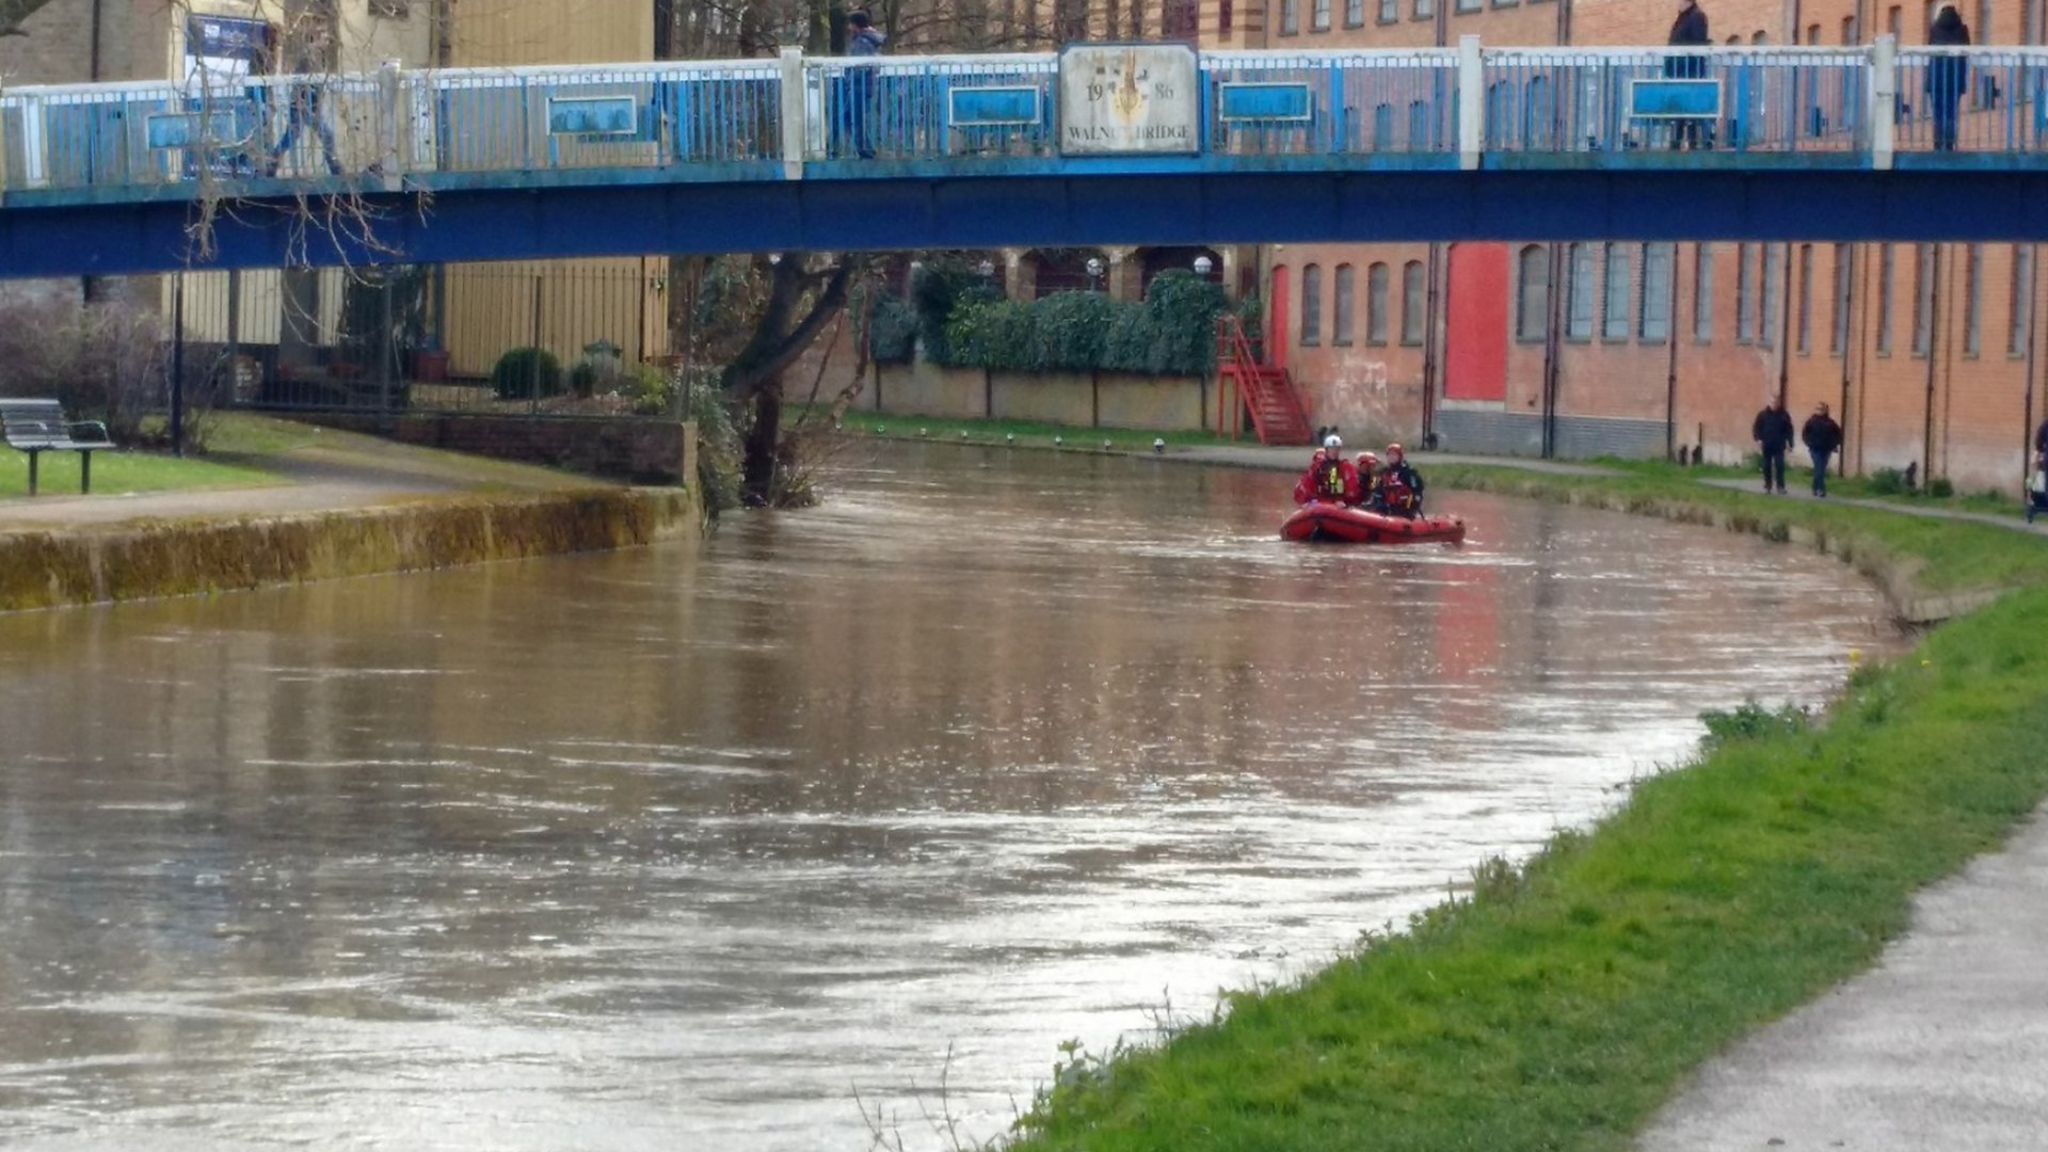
<point>1121,99</point>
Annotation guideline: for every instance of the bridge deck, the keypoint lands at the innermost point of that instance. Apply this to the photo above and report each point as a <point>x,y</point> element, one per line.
<point>1329,127</point>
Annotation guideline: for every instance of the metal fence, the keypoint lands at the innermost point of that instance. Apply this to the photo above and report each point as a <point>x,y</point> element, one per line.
<point>587,338</point>
<point>1548,101</point>
<point>737,119</point>
<point>1982,100</point>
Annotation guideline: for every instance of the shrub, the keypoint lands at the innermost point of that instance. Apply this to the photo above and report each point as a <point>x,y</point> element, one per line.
<point>103,360</point>
<point>1941,488</point>
<point>938,289</point>
<point>1752,721</point>
<point>1183,309</point>
<point>993,334</point>
<point>526,373</point>
<point>892,332</point>
<point>1888,482</point>
<point>1070,332</point>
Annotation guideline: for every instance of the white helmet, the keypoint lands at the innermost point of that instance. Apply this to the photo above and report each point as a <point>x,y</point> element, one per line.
<point>1332,442</point>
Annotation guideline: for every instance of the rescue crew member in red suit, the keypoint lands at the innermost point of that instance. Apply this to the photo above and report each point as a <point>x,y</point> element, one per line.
<point>1370,494</point>
<point>1330,477</point>
<point>1402,484</point>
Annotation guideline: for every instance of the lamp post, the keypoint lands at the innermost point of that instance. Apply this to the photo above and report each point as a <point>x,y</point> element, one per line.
<point>1094,273</point>
<point>1204,266</point>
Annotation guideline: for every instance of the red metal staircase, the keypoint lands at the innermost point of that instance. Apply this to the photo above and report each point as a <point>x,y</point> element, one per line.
<point>1262,390</point>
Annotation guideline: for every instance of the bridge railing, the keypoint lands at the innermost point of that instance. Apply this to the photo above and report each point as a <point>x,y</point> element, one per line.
<point>1568,100</point>
<point>767,119</point>
<point>928,108</point>
<point>1977,100</point>
<point>1329,103</point>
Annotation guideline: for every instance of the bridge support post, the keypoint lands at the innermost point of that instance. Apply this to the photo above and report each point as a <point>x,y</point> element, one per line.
<point>1471,103</point>
<point>391,121</point>
<point>1884,102</point>
<point>795,114</point>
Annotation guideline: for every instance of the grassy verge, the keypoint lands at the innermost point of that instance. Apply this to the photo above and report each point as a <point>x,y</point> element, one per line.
<point>1556,1007</point>
<point>1936,557</point>
<point>1005,431</point>
<point>1851,487</point>
<point>116,472</point>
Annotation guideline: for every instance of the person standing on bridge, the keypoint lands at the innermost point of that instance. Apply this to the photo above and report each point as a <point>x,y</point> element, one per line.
<point>1689,31</point>
<point>1773,433</point>
<point>867,40</point>
<point>1948,75</point>
<point>1822,437</point>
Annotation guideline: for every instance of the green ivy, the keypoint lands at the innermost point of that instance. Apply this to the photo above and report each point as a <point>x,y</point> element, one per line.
<point>1172,333</point>
<point>892,332</point>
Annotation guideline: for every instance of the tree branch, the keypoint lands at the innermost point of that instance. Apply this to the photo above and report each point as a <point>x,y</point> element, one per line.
<point>772,350</point>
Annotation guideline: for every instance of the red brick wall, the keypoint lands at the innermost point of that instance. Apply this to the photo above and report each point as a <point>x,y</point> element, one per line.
<point>1980,402</point>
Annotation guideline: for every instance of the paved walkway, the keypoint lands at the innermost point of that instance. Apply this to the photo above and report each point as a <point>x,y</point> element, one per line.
<point>2017,524</point>
<point>1943,1046</point>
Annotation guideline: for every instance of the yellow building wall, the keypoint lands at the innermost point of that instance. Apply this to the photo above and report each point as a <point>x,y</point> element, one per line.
<point>498,33</point>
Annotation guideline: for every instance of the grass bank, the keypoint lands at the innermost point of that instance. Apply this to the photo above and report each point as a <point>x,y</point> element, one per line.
<point>115,472</point>
<point>1021,432</point>
<point>1559,1005</point>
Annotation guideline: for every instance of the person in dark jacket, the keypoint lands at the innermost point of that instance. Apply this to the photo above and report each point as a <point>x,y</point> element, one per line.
<point>866,40</point>
<point>1823,438</point>
<point>1948,76</point>
<point>1401,485</point>
<point>1689,31</point>
<point>1773,433</point>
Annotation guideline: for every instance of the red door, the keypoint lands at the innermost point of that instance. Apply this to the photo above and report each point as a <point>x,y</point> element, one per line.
<point>1276,320</point>
<point>1476,361</point>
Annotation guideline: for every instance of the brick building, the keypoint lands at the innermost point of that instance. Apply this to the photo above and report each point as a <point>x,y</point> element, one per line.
<point>1928,353</point>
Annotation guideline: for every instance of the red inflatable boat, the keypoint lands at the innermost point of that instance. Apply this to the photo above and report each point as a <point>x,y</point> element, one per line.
<point>1339,524</point>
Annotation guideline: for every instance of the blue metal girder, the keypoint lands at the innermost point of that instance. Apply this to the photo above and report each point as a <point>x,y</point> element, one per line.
<point>1052,210</point>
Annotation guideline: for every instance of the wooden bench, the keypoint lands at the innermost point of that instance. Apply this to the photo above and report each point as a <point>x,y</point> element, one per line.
<point>38,426</point>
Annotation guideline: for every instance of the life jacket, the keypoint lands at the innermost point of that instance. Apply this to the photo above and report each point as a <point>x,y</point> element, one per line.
<point>1330,480</point>
<point>1399,496</point>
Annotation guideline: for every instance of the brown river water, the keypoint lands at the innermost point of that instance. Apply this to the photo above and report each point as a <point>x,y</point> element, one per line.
<point>683,848</point>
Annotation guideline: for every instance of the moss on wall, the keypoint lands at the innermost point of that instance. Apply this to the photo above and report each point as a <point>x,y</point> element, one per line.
<point>178,558</point>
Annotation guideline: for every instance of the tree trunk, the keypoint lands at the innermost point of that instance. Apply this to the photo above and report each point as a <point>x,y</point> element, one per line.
<point>764,445</point>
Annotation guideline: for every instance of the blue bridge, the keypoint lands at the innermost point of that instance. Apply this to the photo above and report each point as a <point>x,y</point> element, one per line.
<point>1138,144</point>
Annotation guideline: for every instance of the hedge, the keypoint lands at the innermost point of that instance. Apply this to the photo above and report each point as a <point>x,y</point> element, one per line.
<point>1172,333</point>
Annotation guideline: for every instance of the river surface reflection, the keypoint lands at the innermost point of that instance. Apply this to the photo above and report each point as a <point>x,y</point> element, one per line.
<point>679,848</point>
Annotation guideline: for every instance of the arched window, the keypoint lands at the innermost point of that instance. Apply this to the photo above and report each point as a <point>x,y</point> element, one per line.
<point>1579,293</point>
<point>1655,327</point>
<point>1312,305</point>
<point>1804,304</point>
<point>1923,299</point>
<point>1614,318</point>
<point>1770,311</point>
<point>2021,300</point>
<point>1414,303</point>
<point>1885,268</point>
<point>1532,281</point>
<point>1343,322</point>
<point>1745,292</point>
<point>1376,285</point>
<point>1973,300</point>
<point>1703,293</point>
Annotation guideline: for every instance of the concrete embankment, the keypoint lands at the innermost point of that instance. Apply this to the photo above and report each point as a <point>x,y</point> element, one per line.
<point>137,560</point>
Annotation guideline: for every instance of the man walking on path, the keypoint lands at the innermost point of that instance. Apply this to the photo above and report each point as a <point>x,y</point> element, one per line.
<point>1823,438</point>
<point>1773,433</point>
